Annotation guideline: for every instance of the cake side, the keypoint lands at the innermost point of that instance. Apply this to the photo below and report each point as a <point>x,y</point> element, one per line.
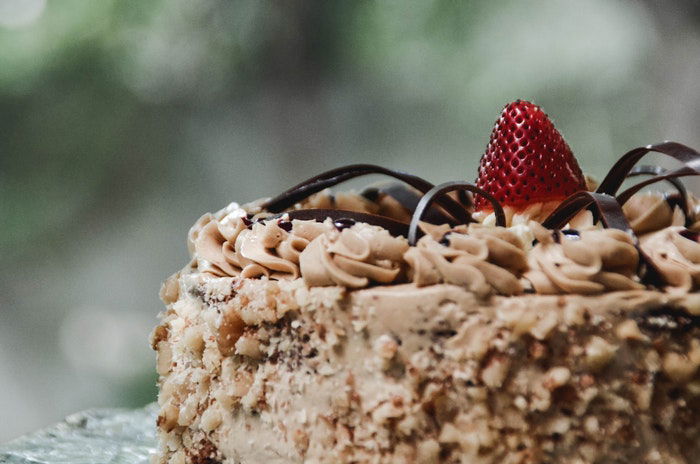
<point>255,370</point>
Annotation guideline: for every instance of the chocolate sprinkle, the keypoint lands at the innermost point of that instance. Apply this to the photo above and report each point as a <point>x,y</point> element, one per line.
<point>285,225</point>
<point>556,237</point>
<point>445,240</point>
<point>571,232</point>
<point>343,223</point>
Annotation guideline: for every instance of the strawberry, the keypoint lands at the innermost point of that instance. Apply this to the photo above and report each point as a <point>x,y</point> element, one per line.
<point>527,160</point>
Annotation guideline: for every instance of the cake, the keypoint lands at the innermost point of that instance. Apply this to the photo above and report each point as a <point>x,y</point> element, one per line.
<point>392,326</point>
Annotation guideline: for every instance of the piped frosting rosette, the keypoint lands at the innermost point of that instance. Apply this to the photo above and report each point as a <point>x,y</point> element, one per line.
<point>650,212</point>
<point>483,259</point>
<point>592,261</point>
<point>676,255</point>
<point>228,244</point>
<point>353,257</point>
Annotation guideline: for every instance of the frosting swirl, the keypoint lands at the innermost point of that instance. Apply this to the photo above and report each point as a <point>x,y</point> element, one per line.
<point>225,245</point>
<point>595,261</point>
<point>676,257</point>
<point>484,260</point>
<point>353,257</point>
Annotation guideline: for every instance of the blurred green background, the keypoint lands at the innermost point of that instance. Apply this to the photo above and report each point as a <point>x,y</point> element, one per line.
<point>122,121</point>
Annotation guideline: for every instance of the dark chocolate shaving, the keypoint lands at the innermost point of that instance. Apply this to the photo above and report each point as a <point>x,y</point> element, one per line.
<point>688,170</point>
<point>344,223</point>
<point>610,213</point>
<point>647,170</point>
<point>465,198</point>
<point>606,206</point>
<point>371,193</point>
<point>690,234</point>
<point>409,199</point>
<point>335,176</point>
<point>618,173</point>
<point>395,228</point>
<point>681,199</point>
<point>285,225</point>
<point>439,191</point>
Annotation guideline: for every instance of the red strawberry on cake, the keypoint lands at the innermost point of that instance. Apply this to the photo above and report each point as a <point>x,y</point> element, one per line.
<point>528,166</point>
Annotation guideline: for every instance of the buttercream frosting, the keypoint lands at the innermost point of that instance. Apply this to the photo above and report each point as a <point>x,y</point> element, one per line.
<point>484,260</point>
<point>676,257</point>
<point>353,257</point>
<point>594,261</point>
<point>228,244</point>
<point>650,212</point>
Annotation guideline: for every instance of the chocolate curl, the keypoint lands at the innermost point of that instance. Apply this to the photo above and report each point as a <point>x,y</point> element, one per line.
<point>656,171</point>
<point>395,228</point>
<point>407,198</point>
<point>436,192</point>
<point>607,207</point>
<point>690,169</point>
<point>617,174</point>
<point>610,212</point>
<point>335,176</point>
<point>650,274</point>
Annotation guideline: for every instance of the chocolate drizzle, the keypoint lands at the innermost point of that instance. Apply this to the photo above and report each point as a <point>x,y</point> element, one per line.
<point>440,190</point>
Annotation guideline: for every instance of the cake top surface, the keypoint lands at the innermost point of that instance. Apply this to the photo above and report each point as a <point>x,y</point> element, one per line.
<point>532,223</point>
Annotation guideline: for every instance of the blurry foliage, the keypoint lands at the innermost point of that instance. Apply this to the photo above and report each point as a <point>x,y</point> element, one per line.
<point>123,120</point>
